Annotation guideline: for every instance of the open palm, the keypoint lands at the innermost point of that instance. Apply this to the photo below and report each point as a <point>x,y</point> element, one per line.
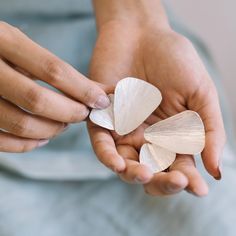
<point>169,62</point>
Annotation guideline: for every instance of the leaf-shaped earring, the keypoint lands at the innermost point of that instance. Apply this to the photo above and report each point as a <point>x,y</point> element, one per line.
<point>105,117</point>
<point>182,133</point>
<point>156,157</point>
<point>134,100</point>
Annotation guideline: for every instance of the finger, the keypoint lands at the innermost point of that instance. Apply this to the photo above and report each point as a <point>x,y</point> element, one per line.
<point>186,165</point>
<point>47,67</point>
<point>11,143</point>
<point>25,93</point>
<point>134,139</point>
<point>20,123</point>
<point>27,74</point>
<point>134,172</point>
<point>104,147</point>
<point>206,103</point>
<point>166,183</point>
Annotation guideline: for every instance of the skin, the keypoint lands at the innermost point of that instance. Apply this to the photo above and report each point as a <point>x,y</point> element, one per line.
<point>29,112</point>
<point>134,39</point>
<point>152,51</point>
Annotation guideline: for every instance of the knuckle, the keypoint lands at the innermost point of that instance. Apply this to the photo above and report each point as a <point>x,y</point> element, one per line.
<point>35,100</point>
<point>7,32</point>
<point>26,147</point>
<point>99,142</point>
<point>54,70</point>
<point>89,95</point>
<point>106,156</point>
<point>20,127</point>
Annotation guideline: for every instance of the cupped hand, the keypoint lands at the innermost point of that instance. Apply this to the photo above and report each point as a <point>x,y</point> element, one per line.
<point>32,114</point>
<point>169,61</point>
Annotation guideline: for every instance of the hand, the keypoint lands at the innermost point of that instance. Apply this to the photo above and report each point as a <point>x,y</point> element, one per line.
<point>168,61</point>
<point>31,114</point>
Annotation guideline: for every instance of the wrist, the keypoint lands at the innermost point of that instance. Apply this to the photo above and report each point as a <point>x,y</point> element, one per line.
<point>139,14</point>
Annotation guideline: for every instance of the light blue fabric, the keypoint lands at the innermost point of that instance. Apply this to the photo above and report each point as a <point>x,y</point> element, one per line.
<point>86,199</point>
<point>111,207</point>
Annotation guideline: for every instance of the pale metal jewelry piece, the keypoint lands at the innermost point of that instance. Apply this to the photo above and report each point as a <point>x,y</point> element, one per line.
<point>133,102</point>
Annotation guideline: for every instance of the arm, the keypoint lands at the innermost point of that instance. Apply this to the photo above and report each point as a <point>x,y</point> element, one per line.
<point>140,13</point>
<point>135,39</point>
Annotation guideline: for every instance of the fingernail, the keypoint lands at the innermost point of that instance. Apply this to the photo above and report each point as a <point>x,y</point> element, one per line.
<point>102,102</point>
<point>42,143</point>
<point>219,170</point>
<point>219,173</point>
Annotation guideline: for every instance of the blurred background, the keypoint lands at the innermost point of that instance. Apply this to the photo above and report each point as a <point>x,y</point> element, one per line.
<point>215,22</point>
